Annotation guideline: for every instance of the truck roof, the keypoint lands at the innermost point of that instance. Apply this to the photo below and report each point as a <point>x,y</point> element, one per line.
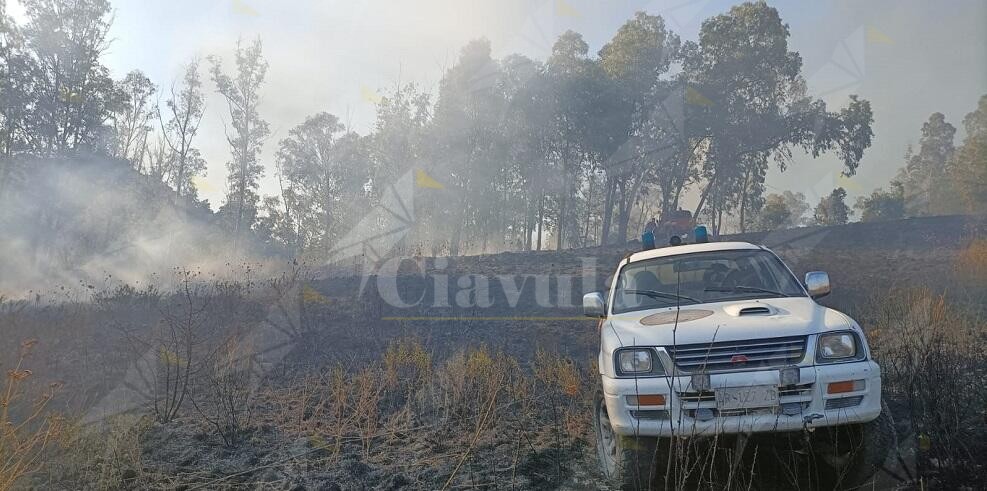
<point>689,249</point>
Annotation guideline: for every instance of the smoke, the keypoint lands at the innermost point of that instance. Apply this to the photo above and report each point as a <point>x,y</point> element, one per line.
<point>75,223</point>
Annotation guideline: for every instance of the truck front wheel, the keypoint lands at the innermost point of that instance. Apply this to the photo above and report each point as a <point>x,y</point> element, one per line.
<point>628,462</point>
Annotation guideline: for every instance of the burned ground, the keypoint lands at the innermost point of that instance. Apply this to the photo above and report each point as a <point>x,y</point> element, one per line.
<point>348,391</point>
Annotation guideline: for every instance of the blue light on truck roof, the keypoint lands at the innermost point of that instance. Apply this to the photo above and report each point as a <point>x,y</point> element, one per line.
<point>701,235</point>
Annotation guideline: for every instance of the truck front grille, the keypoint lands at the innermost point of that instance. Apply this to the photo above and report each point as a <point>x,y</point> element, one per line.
<point>844,402</point>
<point>692,400</point>
<point>738,355</point>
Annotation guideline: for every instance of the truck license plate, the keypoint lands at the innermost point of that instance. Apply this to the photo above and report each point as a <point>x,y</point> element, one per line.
<point>746,397</point>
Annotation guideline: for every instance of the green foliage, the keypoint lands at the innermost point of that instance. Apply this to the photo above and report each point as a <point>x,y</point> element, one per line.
<point>751,108</point>
<point>970,166</point>
<point>323,173</point>
<point>832,209</point>
<point>644,137</point>
<point>574,150</point>
<point>882,205</point>
<point>775,214</point>
<point>924,178</point>
<point>780,211</point>
<point>57,95</point>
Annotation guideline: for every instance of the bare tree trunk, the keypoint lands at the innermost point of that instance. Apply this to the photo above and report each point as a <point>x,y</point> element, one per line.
<point>704,196</point>
<point>743,206</point>
<point>744,197</point>
<point>541,220</point>
<point>242,185</point>
<point>626,203</point>
<point>563,203</point>
<point>5,164</point>
<point>589,210</point>
<point>528,226</point>
<point>457,234</point>
<point>621,212</point>
<point>607,212</point>
<point>640,217</point>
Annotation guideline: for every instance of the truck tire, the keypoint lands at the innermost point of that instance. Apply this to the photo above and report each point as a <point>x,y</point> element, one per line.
<point>853,454</point>
<point>627,462</point>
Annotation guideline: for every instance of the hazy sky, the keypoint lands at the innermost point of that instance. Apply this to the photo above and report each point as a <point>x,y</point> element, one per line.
<point>908,57</point>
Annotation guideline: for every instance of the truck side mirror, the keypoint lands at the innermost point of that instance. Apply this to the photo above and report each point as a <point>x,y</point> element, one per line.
<point>817,283</point>
<point>594,305</point>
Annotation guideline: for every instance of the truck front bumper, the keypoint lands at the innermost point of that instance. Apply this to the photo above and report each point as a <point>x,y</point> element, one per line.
<point>687,411</point>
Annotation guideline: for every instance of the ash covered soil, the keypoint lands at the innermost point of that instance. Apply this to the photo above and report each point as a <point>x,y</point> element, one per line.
<point>482,379</point>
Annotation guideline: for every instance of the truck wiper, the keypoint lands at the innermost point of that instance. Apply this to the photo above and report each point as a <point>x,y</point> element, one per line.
<point>744,288</point>
<point>658,294</point>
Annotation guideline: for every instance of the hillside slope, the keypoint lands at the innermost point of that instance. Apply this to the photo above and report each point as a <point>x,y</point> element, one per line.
<point>522,301</point>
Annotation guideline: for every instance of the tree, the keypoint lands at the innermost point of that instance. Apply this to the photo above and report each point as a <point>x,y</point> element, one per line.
<point>528,131</point>
<point>17,86</point>
<point>774,215</point>
<point>569,69</point>
<point>749,107</point>
<point>185,108</point>
<point>634,60</point>
<point>276,227</point>
<point>132,119</point>
<point>242,93</point>
<point>320,182</point>
<point>73,93</point>
<point>399,132</point>
<point>16,89</point>
<point>970,166</point>
<point>397,145</point>
<point>832,209</point>
<point>924,177</point>
<point>797,206</point>
<point>882,205</point>
<point>467,142</point>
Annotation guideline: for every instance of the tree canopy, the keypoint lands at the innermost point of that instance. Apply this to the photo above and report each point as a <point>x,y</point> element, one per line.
<point>573,150</point>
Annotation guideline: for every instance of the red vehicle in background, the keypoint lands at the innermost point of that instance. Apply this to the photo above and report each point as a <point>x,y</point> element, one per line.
<point>677,222</point>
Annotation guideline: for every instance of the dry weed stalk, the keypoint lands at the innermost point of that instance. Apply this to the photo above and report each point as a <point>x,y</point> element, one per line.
<point>224,395</point>
<point>934,358</point>
<point>26,428</point>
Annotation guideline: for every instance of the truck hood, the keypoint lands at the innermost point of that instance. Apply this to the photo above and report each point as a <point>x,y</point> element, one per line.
<point>726,321</point>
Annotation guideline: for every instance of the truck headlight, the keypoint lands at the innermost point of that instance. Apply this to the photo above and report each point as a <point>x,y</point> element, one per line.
<point>839,346</point>
<point>637,361</point>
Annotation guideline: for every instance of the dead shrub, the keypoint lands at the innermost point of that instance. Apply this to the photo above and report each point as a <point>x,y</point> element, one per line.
<point>223,394</point>
<point>176,343</point>
<point>934,361</point>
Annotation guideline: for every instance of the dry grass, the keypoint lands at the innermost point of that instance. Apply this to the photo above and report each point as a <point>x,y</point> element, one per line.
<point>456,409</point>
<point>934,359</point>
<point>480,417</point>
<point>106,456</point>
<point>971,263</point>
<point>27,428</point>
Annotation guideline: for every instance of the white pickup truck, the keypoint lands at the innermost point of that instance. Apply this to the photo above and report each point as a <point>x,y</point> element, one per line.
<point>722,339</point>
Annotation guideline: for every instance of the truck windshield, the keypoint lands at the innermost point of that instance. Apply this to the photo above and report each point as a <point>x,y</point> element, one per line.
<point>703,277</point>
